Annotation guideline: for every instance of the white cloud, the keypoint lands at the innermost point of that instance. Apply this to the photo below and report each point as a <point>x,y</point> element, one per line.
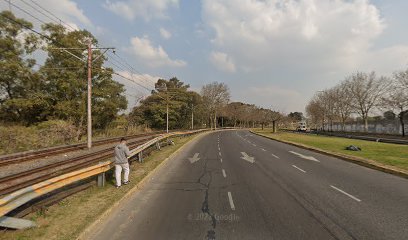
<point>299,44</point>
<point>67,10</point>
<point>146,9</point>
<point>145,80</point>
<point>222,61</point>
<point>134,92</point>
<point>152,56</point>
<point>303,32</point>
<point>165,34</point>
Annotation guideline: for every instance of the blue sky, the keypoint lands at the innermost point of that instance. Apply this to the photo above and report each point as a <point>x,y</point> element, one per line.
<point>272,53</point>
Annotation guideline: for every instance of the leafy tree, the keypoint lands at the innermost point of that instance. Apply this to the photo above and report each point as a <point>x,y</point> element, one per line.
<point>297,116</point>
<point>67,85</point>
<point>21,89</point>
<point>389,115</point>
<point>181,101</point>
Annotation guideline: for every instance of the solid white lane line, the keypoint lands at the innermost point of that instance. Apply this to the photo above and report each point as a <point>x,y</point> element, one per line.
<point>223,173</point>
<point>275,156</point>
<point>263,149</point>
<point>345,193</point>
<point>231,201</point>
<point>299,168</point>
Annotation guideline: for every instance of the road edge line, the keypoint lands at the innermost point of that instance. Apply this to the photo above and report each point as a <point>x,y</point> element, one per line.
<point>359,161</point>
<point>84,234</point>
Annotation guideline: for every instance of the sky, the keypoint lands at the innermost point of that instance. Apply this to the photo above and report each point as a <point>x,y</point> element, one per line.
<point>271,53</point>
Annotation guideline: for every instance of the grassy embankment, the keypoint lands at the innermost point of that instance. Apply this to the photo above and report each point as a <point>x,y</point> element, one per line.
<point>383,153</point>
<point>18,138</point>
<point>67,219</point>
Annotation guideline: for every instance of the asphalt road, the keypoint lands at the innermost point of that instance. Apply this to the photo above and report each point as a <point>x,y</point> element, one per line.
<point>236,185</point>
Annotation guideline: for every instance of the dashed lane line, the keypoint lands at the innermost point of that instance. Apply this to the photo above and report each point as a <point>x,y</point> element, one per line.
<point>345,193</point>
<point>231,202</point>
<point>298,168</point>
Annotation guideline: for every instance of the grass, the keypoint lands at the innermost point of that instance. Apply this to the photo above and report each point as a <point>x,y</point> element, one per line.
<point>67,219</point>
<point>384,153</point>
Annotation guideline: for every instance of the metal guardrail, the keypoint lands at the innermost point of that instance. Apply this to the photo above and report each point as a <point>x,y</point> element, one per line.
<point>359,137</point>
<point>22,196</point>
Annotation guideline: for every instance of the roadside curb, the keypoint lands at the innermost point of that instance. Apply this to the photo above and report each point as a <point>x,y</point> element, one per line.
<point>137,187</point>
<point>356,160</point>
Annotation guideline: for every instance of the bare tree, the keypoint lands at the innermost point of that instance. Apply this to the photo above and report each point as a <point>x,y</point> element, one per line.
<point>397,96</point>
<point>315,112</point>
<point>343,99</point>
<point>366,91</point>
<point>215,97</point>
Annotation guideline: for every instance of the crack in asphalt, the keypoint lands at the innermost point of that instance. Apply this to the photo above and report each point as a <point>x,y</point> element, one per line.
<point>205,208</point>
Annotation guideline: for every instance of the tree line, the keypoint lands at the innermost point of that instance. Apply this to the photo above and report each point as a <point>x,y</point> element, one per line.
<point>360,93</point>
<point>211,108</point>
<point>31,93</point>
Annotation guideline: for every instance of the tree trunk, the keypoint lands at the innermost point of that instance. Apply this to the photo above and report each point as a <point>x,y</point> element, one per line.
<point>366,124</point>
<point>401,117</point>
<point>215,121</point>
<point>274,126</point>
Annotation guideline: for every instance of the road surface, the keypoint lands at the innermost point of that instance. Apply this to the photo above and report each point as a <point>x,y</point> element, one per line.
<point>237,185</point>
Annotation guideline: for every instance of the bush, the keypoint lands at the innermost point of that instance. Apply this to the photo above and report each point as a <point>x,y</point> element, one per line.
<point>16,138</point>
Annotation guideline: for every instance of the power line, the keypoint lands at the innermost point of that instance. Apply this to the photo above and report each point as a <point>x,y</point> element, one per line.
<point>61,21</point>
<point>121,68</point>
<point>130,66</point>
<point>19,8</point>
<point>59,44</point>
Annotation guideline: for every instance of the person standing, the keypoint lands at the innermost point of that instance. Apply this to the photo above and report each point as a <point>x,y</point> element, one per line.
<point>121,162</point>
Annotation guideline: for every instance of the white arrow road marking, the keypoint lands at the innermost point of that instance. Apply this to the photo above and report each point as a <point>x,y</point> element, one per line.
<point>195,158</point>
<point>246,157</point>
<point>347,194</point>
<point>231,201</point>
<point>298,168</point>
<point>275,156</point>
<point>223,173</point>
<point>305,157</point>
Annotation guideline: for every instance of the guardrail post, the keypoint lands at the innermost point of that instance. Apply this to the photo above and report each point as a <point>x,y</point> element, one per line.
<point>101,179</point>
<point>140,156</point>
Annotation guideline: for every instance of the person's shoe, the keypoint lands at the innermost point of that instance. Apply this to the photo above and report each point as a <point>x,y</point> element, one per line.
<point>126,183</point>
<point>118,186</point>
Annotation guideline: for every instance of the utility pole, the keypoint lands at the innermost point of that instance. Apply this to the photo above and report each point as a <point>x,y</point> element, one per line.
<point>167,112</point>
<point>192,116</point>
<point>89,80</point>
<point>89,108</point>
